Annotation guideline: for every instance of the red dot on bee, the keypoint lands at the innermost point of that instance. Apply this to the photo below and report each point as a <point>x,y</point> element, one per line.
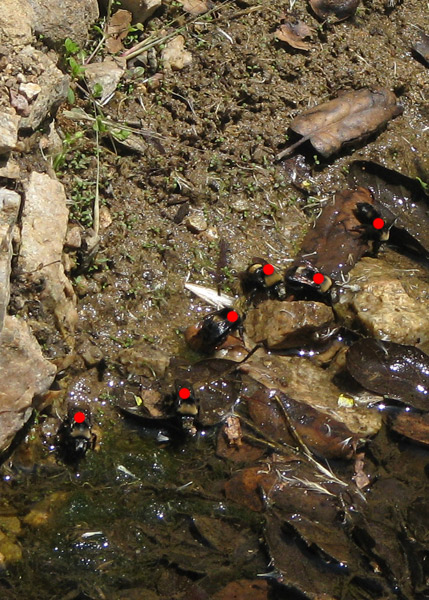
<point>318,278</point>
<point>184,393</point>
<point>79,417</point>
<point>378,223</point>
<point>232,316</point>
<point>268,269</point>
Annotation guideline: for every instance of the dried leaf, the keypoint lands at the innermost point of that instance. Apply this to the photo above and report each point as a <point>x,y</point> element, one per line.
<point>196,7</point>
<point>348,118</point>
<point>233,431</point>
<point>294,34</point>
<point>340,9</point>
<point>117,30</point>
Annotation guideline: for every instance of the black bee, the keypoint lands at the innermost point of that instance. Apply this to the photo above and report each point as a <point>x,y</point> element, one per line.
<point>374,226</point>
<point>213,330</point>
<point>261,276</point>
<point>74,436</point>
<point>186,406</point>
<point>305,278</point>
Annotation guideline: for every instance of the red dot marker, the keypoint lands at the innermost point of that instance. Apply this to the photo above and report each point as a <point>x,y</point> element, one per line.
<point>318,278</point>
<point>232,316</point>
<point>378,223</point>
<point>79,417</point>
<point>184,393</point>
<point>268,269</point>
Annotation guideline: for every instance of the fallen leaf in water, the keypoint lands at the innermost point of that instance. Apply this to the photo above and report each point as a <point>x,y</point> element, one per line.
<point>422,46</point>
<point>117,30</point>
<point>394,370</point>
<point>294,34</point>
<point>348,118</point>
<point>243,589</point>
<point>414,426</point>
<point>196,7</point>
<point>403,197</point>
<point>340,9</point>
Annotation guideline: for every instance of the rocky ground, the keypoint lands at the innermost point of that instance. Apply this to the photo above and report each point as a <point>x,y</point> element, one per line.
<point>138,153</point>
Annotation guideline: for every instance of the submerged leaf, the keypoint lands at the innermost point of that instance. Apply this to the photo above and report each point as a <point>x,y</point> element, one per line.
<point>403,197</point>
<point>422,46</point>
<point>350,117</point>
<point>393,370</point>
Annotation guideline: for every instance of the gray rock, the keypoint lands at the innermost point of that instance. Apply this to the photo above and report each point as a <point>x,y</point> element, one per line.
<point>52,82</point>
<point>16,22</point>
<point>57,21</point>
<point>44,227</point>
<point>9,207</point>
<point>196,223</point>
<point>24,373</point>
<point>9,168</point>
<point>282,325</point>
<point>9,123</point>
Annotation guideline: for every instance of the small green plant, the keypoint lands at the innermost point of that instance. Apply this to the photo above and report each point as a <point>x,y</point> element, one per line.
<point>69,141</point>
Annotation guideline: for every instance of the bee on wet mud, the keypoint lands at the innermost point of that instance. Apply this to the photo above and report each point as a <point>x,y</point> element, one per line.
<point>75,436</point>
<point>212,332</point>
<point>260,279</point>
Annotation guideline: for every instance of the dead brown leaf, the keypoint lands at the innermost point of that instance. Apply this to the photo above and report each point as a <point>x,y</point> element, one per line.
<point>340,9</point>
<point>117,30</point>
<point>294,34</point>
<point>196,7</point>
<point>350,117</point>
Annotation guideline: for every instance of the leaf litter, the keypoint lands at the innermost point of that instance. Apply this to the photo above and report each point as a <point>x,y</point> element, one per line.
<point>351,117</point>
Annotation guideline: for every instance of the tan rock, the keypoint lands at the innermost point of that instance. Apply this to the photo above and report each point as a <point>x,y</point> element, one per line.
<point>16,22</point>
<point>174,55</point>
<point>44,227</point>
<point>9,123</point>
<point>282,325</point>
<point>24,373</point>
<point>9,206</point>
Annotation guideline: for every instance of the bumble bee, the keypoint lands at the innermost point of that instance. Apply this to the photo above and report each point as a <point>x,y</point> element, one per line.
<point>74,436</point>
<point>213,330</point>
<point>306,277</point>
<point>261,276</point>
<point>374,226</point>
<point>186,406</point>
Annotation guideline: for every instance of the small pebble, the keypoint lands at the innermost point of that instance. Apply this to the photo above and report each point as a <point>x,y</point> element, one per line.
<point>196,223</point>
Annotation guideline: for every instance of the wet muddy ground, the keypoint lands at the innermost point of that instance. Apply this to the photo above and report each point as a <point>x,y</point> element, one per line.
<point>144,520</point>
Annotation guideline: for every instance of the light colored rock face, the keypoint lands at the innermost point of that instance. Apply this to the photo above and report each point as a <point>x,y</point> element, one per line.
<point>24,373</point>
<point>385,306</point>
<point>58,20</point>
<point>8,131</point>
<point>9,207</point>
<point>106,74</point>
<point>44,227</point>
<point>140,9</point>
<point>52,82</point>
<point>174,55</point>
<point>282,325</point>
<point>16,22</point>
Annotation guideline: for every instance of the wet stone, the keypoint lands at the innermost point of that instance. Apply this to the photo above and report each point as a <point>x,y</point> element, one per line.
<point>283,325</point>
<point>196,223</point>
<point>144,359</point>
